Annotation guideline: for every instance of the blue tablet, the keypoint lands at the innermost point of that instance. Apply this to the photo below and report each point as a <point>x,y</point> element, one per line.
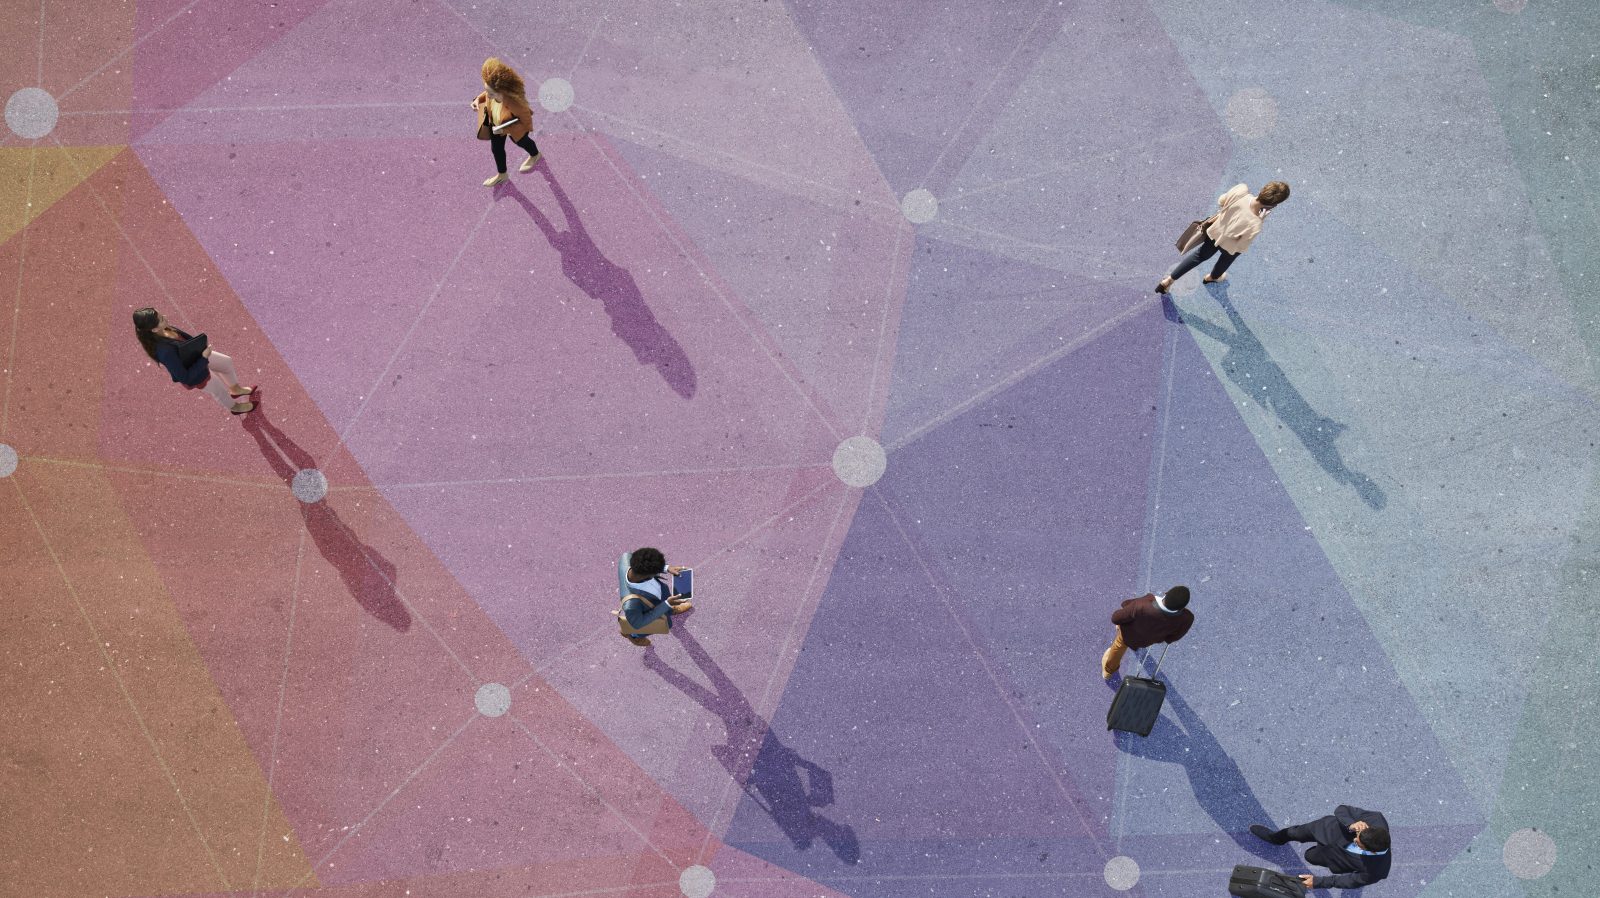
<point>683,583</point>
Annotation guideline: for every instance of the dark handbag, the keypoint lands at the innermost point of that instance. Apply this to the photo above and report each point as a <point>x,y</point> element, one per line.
<point>191,350</point>
<point>1194,233</point>
<point>485,130</point>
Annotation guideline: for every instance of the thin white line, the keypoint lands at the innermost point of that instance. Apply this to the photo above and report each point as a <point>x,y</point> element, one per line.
<point>994,679</point>
<point>382,804</point>
<point>125,51</point>
<point>277,724</point>
<point>883,326</point>
<point>1161,452</point>
<point>837,191</point>
<point>116,675</point>
<point>547,478</point>
<point>39,78</point>
<point>87,182</point>
<point>398,104</point>
<point>1198,871</point>
<point>715,824</point>
<point>592,790</point>
<point>437,289</point>
<point>585,51</point>
<point>1011,379</point>
<point>1080,250</point>
<point>16,310</point>
<point>1004,66</point>
<point>125,469</point>
<point>1076,163</point>
<point>690,257</point>
<point>1170,351</point>
<point>399,594</point>
<point>700,566</point>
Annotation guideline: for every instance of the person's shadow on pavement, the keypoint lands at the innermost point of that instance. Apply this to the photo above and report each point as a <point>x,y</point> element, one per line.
<point>590,271</point>
<point>1247,363</point>
<point>1218,784</point>
<point>768,771</point>
<point>368,575</point>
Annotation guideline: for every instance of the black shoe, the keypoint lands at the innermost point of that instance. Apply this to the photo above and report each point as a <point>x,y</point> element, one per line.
<point>1267,835</point>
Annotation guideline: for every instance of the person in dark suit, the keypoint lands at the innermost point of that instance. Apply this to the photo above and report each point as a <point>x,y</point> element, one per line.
<point>1353,844</point>
<point>164,343</point>
<point>1145,621</point>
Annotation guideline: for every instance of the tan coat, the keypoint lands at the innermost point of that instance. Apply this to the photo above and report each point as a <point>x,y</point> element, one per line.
<point>511,107</point>
<point>1237,223</point>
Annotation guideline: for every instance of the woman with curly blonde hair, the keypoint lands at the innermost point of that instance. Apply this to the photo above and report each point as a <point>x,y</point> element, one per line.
<point>503,112</point>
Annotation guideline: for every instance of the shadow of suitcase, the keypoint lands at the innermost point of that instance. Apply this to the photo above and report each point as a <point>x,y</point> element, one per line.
<point>1259,882</point>
<point>1138,702</point>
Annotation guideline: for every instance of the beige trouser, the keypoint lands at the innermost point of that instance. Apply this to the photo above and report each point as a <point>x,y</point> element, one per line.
<point>1112,659</point>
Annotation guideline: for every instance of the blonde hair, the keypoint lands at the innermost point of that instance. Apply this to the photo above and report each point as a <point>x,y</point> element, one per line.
<point>502,79</point>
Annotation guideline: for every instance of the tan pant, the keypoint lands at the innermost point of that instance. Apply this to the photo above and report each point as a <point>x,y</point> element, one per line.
<point>1112,659</point>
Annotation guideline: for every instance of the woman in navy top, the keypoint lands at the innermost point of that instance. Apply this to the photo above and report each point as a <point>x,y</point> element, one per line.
<point>160,340</point>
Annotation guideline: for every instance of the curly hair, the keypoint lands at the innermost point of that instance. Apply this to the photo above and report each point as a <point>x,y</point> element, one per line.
<point>647,562</point>
<point>502,79</point>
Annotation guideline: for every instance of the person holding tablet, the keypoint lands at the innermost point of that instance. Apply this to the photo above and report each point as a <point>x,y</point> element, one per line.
<point>504,112</point>
<point>191,361</point>
<point>646,596</point>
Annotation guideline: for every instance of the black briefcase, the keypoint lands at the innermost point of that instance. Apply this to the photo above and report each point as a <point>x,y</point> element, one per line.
<point>1259,882</point>
<point>191,350</point>
<point>1138,702</point>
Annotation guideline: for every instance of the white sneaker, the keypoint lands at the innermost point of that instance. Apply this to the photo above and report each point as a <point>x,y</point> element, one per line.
<point>497,180</point>
<point>528,164</point>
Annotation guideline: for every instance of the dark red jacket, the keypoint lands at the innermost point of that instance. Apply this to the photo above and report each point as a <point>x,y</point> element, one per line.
<point>1144,625</point>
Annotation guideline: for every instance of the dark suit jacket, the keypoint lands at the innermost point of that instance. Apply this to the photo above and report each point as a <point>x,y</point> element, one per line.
<point>1144,625</point>
<point>1350,870</point>
<point>191,375</point>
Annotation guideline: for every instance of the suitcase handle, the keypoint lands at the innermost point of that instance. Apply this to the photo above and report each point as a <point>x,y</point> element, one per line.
<point>1163,657</point>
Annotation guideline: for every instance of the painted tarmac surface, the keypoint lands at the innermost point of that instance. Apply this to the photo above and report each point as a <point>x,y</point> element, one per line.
<point>765,240</point>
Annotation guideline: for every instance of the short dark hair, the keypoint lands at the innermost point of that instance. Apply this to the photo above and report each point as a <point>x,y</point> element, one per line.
<point>1374,838</point>
<point>1176,598</point>
<point>1272,193</point>
<point>647,562</point>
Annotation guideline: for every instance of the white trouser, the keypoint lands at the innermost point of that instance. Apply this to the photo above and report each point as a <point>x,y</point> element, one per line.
<point>222,377</point>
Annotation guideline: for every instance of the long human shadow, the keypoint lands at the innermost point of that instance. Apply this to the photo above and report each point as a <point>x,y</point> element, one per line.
<point>767,770</point>
<point>1218,784</point>
<point>1251,368</point>
<point>590,271</point>
<point>368,575</point>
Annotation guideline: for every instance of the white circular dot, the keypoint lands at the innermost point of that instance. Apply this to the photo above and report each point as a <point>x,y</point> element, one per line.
<point>860,461</point>
<point>1252,113</point>
<point>493,699</point>
<point>1186,285</point>
<point>556,94</point>
<point>8,460</point>
<point>1529,854</point>
<point>920,206</point>
<point>309,486</point>
<point>1122,873</point>
<point>32,113</point>
<point>1510,5</point>
<point>697,882</point>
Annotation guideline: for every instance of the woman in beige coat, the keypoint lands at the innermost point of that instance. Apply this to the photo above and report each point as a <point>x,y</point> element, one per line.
<point>1237,222</point>
<point>505,102</point>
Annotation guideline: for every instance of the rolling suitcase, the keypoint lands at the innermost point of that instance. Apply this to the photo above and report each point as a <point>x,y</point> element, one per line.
<point>1259,882</point>
<point>1138,702</point>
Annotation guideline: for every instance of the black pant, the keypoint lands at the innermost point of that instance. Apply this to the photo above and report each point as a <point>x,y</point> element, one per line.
<point>497,143</point>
